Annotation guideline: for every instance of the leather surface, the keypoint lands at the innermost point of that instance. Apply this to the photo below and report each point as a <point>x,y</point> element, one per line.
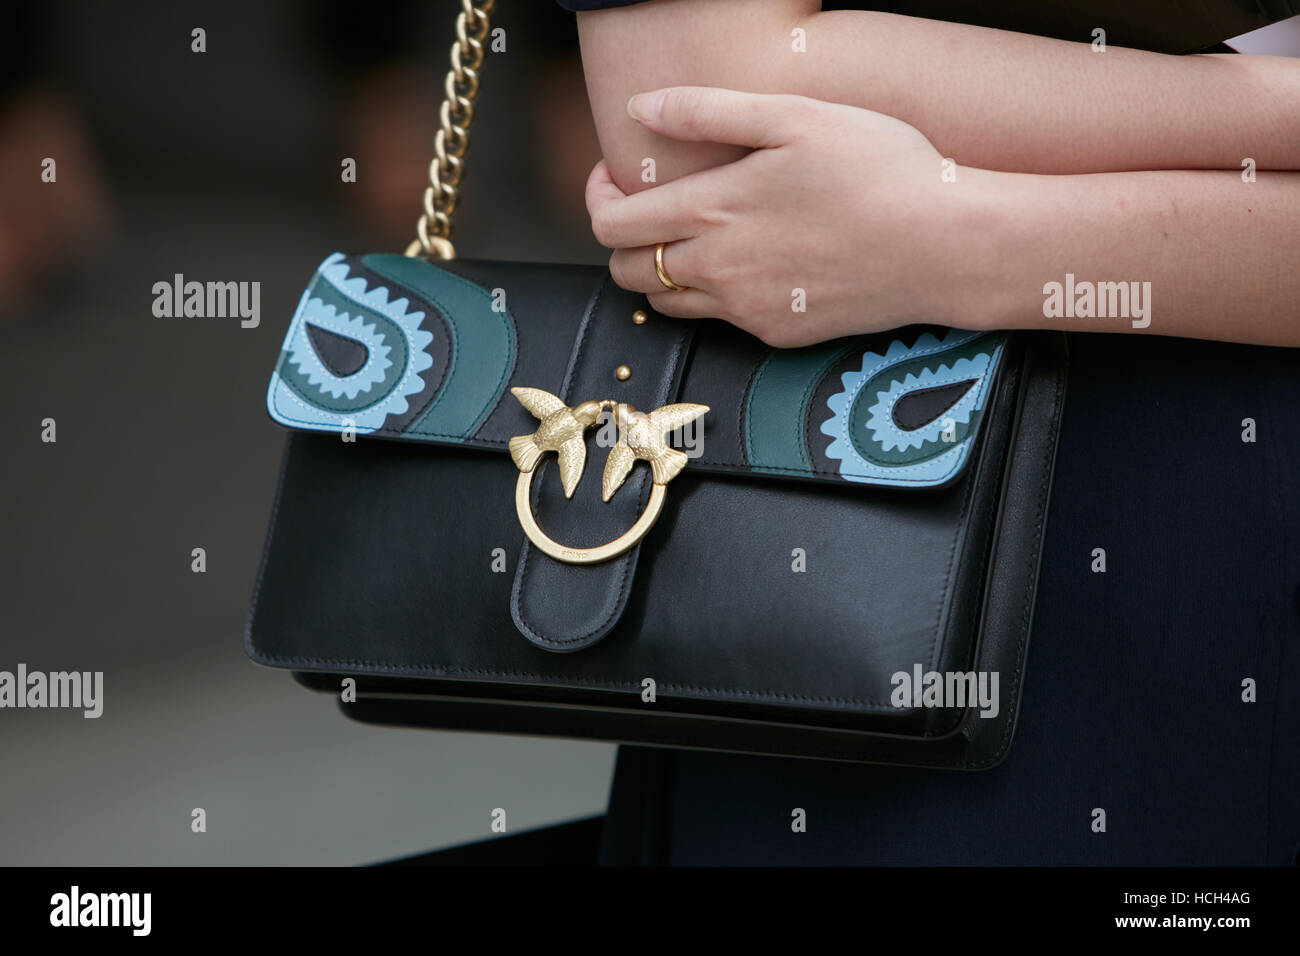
<point>566,607</point>
<point>387,346</point>
<point>770,613</point>
<point>974,743</point>
<point>381,562</point>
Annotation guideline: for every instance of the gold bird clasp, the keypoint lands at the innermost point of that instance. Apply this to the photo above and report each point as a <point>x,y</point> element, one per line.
<point>641,435</point>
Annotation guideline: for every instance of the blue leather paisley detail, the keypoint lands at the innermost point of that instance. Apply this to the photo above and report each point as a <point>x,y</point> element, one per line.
<point>874,444</point>
<point>360,352</point>
<point>306,393</point>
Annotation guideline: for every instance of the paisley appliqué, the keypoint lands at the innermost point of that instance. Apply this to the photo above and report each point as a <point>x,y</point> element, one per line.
<point>306,389</point>
<point>304,351</point>
<point>868,442</point>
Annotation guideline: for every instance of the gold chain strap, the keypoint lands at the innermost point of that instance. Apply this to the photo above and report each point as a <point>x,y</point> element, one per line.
<point>452,139</point>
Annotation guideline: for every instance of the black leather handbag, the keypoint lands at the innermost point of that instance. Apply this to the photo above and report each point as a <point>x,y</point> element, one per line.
<point>828,552</point>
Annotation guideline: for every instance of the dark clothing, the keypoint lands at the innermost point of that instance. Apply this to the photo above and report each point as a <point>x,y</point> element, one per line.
<point>1168,26</point>
<point>1133,702</point>
<point>1133,696</point>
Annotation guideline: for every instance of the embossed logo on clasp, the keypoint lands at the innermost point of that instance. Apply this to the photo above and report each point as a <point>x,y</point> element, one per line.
<point>641,435</point>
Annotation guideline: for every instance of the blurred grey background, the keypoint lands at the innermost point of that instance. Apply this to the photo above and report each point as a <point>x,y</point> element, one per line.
<point>225,165</point>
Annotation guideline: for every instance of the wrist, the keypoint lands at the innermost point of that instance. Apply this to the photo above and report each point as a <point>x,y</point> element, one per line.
<point>987,225</point>
<point>978,229</point>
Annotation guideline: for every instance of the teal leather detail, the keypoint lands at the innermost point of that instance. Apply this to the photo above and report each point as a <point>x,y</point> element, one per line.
<point>305,392</point>
<point>873,447</point>
<point>327,303</point>
<point>878,441</point>
<point>482,346</point>
<point>776,407</point>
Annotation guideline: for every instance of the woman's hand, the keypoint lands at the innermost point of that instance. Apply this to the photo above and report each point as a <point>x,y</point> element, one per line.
<point>840,221</point>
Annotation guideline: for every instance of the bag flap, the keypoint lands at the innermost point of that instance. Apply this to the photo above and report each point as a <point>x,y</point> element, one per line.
<point>403,348</point>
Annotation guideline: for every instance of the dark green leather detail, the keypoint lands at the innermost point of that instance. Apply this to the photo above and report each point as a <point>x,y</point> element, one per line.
<point>321,289</point>
<point>482,346</point>
<point>776,407</point>
<point>866,398</point>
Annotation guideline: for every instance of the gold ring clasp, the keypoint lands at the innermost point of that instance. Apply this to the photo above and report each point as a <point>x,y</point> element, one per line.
<point>640,436</point>
<point>602,552</point>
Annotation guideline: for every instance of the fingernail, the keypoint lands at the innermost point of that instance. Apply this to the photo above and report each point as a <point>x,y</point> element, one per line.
<point>645,107</point>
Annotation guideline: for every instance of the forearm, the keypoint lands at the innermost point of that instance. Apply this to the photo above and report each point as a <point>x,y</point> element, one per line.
<point>987,98</point>
<point>1015,102</point>
<point>1219,254</point>
<point>629,50</point>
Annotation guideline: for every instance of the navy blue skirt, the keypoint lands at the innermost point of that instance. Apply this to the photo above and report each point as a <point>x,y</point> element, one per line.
<point>1164,691</point>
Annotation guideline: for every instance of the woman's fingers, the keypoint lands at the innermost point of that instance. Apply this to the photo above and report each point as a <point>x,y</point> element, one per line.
<point>712,115</point>
<point>601,188</point>
<point>681,212</point>
<point>691,304</point>
<point>669,211</point>
<point>634,269</point>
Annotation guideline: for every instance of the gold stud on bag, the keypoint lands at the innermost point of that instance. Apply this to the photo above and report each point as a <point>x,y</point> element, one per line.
<point>641,435</point>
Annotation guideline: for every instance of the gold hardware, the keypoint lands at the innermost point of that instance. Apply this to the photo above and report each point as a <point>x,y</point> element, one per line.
<point>433,230</point>
<point>641,436</point>
<point>623,373</point>
<point>639,317</point>
<point>602,552</point>
<point>662,273</point>
<point>561,432</point>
